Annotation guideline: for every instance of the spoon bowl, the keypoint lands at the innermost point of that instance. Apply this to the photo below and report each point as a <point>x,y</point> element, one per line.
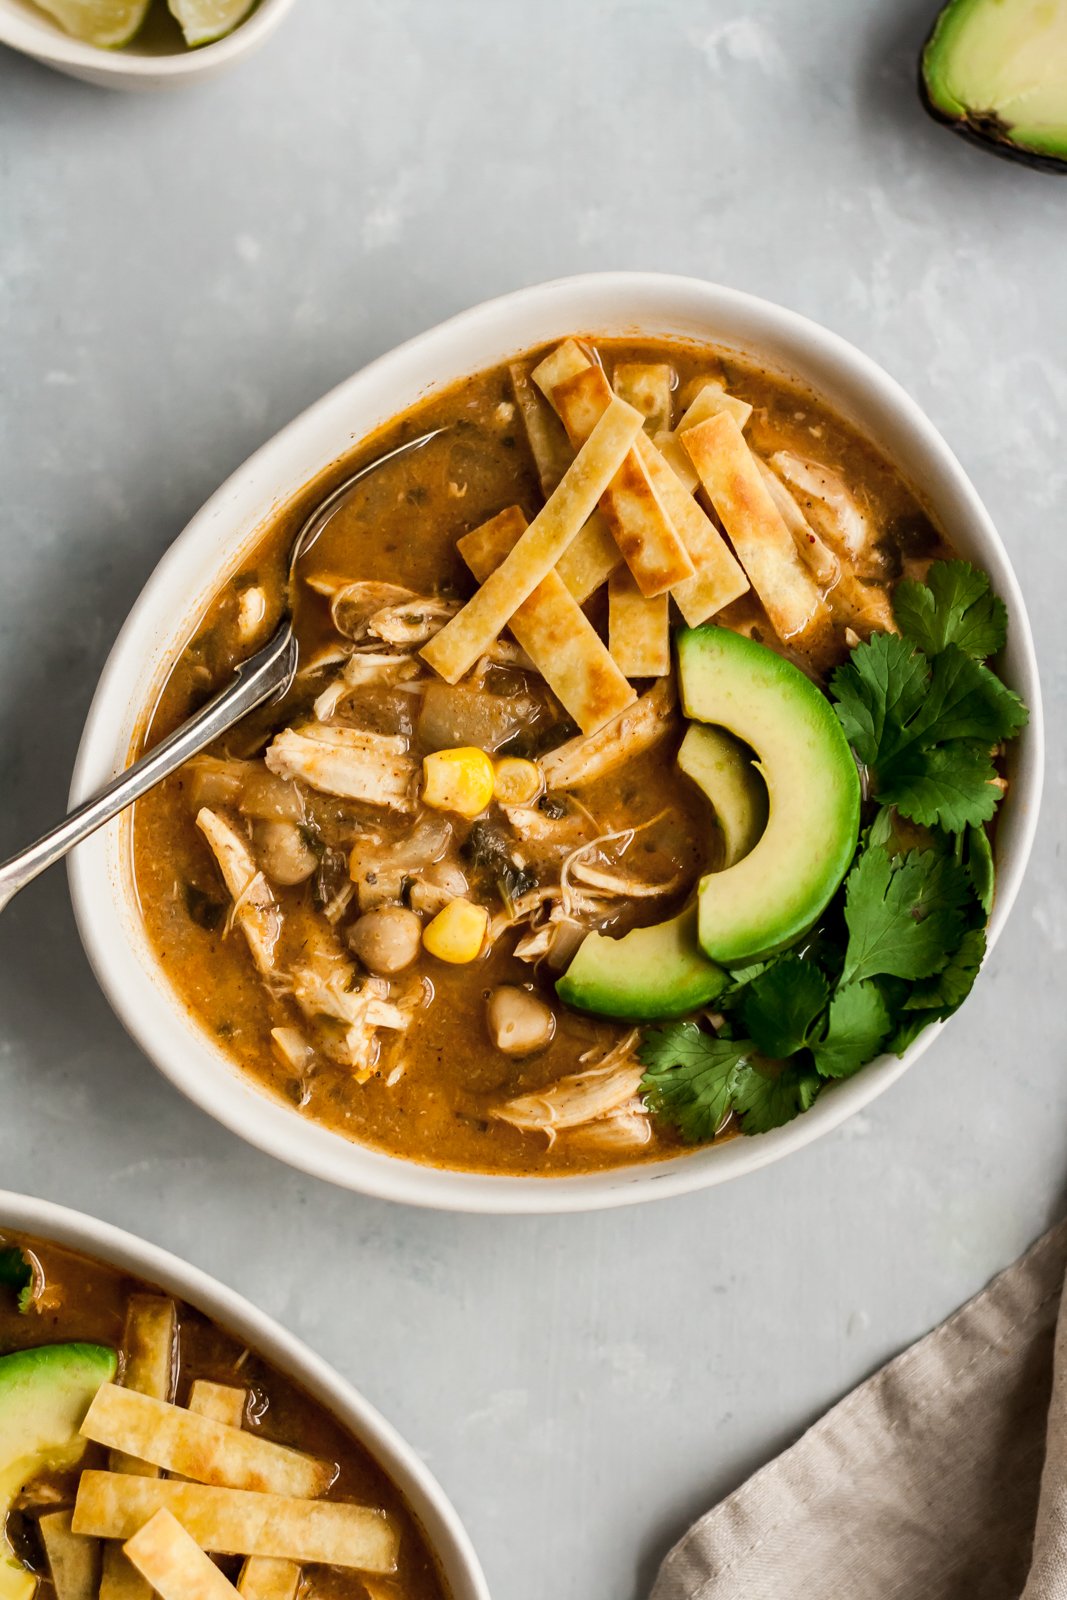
<point>264,677</point>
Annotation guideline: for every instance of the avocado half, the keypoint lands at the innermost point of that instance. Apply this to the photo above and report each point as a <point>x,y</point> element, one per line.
<point>775,893</point>
<point>995,71</point>
<point>44,1395</point>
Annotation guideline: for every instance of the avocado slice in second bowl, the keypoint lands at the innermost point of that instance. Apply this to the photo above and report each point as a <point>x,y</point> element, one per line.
<point>44,1395</point>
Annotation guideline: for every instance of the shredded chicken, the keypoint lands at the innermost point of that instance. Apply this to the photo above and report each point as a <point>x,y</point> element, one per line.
<point>412,622</point>
<point>629,1128</point>
<point>255,910</point>
<point>329,991</point>
<point>606,883</point>
<point>379,870</point>
<point>553,940</point>
<point>817,556</point>
<point>251,612</point>
<point>593,755</point>
<point>830,506</point>
<point>364,669</point>
<point>582,1097</point>
<point>372,767</point>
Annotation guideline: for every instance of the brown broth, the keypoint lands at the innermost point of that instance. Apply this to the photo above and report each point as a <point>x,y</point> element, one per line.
<point>402,527</point>
<point>86,1300</point>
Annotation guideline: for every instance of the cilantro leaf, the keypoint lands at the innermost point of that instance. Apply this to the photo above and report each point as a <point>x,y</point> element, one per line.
<point>878,691</point>
<point>925,731</point>
<point>859,1023</point>
<point>17,1273</point>
<point>949,988</point>
<point>964,701</point>
<point>780,1006</point>
<point>980,867</point>
<point>912,1024</point>
<point>904,914</point>
<point>690,1077</point>
<point>766,1099</point>
<point>956,606</point>
<point>952,786</point>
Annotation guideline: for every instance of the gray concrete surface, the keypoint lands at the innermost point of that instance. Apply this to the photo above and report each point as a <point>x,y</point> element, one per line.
<point>179,276</point>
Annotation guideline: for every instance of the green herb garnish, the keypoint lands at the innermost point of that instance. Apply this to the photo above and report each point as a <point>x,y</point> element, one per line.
<point>16,1273</point>
<point>902,942</point>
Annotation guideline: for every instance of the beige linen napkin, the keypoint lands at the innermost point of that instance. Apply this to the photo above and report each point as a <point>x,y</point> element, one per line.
<point>926,1482</point>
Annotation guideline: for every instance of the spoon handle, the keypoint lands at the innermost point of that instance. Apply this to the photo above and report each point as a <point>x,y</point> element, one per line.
<point>262,677</point>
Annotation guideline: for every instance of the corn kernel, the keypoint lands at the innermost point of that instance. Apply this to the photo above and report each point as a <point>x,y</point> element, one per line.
<point>517,782</point>
<point>458,780</point>
<point>457,933</point>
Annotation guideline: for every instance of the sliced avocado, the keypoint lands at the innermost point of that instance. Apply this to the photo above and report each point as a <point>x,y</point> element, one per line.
<point>44,1395</point>
<point>996,72</point>
<point>648,975</point>
<point>720,765</point>
<point>775,893</point>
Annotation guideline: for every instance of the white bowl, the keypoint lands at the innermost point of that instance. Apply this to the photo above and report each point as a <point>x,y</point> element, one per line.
<point>141,64</point>
<point>445,1534</point>
<point>211,547</point>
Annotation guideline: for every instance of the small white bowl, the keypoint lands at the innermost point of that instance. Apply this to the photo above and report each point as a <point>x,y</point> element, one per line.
<point>645,304</point>
<point>141,64</point>
<point>430,1506</point>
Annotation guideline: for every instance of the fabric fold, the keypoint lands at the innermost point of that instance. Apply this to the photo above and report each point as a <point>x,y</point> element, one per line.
<point>922,1484</point>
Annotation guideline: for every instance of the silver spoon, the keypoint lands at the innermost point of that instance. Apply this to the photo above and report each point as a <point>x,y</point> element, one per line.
<point>265,676</point>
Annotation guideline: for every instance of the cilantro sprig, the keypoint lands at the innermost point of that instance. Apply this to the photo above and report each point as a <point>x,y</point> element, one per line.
<point>901,945</point>
<point>16,1273</point>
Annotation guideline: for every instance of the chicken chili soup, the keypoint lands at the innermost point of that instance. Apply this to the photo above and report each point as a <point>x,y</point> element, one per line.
<point>143,1448</point>
<point>637,780</point>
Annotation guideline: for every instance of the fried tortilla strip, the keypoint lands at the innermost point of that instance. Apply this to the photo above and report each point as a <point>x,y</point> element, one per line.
<point>791,598</point>
<point>454,650</point>
<point>262,1577</point>
<point>711,401</point>
<point>174,1564</point>
<point>647,386</point>
<point>73,1562</point>
<point>553,630</point>
<point>267,1578</point>
<point>549,445</point>
<point>593,556</point>
<point>589,562</point>
<point>719,577</point>
<point>198,1448</point>
<point>639,634</point>
<point>650,545</point>
<point>219,1402</point>
<point>670,448</point>
<point>149,1341</point>
<point>256,911</point>
<point>239,1522</point>
<point>591,756</point>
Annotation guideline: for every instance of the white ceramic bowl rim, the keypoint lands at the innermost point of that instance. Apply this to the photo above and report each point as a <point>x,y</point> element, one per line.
<point>37,35</point>
<point>426,1499</point>
<point>602,303</point>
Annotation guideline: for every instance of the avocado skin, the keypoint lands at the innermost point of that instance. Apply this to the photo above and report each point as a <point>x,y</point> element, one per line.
<point>982,129</point>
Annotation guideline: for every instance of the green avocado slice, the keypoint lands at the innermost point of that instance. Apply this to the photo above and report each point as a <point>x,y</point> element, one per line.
<point>719,764</point>
<point>996,72</point>
<point>773,895</point>
<point>44,1395</point>
<point>649,975</point>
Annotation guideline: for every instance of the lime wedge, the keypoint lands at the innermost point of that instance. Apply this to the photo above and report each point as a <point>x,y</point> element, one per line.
<point>107,23</point>
<point>205,20</point>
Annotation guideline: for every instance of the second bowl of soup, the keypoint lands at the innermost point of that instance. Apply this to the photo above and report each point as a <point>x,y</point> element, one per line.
<point>663,754</point>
